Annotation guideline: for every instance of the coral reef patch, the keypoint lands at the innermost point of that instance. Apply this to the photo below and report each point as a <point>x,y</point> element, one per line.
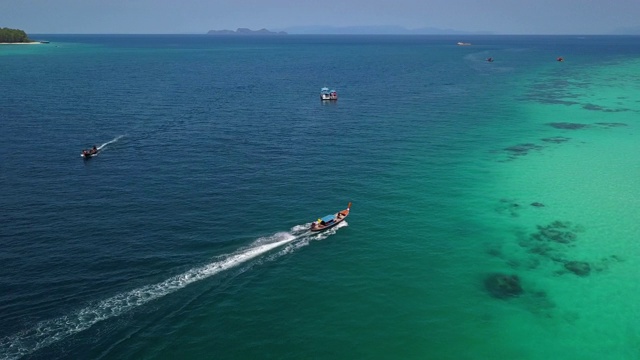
<point>594,107</point>
<point>512,207</point>
<point>580,268</point>
<point>557,231</point>
<point>611,124</point>
<point>503,286</point>
<point>567,125</point>
<point>522,149</point>
<point>556,139</point>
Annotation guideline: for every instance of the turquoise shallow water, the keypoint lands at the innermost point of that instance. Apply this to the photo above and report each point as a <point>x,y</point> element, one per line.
<point>185,237</point>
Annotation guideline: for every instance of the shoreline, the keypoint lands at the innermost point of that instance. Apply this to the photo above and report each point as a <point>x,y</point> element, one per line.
<point>22,43</point>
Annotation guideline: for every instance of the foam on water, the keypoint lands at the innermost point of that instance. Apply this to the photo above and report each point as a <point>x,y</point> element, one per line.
<point>110,142</point>
<point>48,332</point>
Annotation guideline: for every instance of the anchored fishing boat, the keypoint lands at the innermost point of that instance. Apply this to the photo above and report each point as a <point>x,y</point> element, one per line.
<point>326,94</point>
<point>330,220</point>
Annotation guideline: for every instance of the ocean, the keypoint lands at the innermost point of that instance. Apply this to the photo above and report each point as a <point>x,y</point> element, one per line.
<point>495,204</point>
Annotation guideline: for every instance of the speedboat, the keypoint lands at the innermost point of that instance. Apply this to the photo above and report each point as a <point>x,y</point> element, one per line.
<point>330,221</point>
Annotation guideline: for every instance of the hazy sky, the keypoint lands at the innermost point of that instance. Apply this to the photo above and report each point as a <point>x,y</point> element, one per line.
<point>199,16</point>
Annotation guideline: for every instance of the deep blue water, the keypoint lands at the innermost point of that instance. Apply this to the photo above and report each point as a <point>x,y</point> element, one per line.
<point>226,147</point>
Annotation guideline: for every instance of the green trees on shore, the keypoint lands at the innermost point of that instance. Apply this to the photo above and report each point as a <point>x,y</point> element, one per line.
<point>13,36</point>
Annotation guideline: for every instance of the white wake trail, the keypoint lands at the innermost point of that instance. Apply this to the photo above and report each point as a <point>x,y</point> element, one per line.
<point>110,142</point>
<point>51,331</point>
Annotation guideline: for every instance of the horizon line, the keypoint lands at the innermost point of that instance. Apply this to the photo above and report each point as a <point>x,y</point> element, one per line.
<point>334,34</point>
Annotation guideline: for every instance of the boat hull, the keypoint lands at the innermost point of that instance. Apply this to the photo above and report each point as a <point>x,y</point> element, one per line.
<point>89,156</point>
<point>326,94</point>
<point>325,227</point>
<point>337,219</point>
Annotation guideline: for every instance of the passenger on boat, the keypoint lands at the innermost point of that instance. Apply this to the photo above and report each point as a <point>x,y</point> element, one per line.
<point>93,150</point>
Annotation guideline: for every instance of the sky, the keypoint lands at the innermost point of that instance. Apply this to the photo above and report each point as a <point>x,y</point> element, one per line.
<point>199,16</point>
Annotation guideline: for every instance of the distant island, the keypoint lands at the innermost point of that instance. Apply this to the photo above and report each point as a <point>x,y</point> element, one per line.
<point>376,30</point>
<point>245,31</point>
<point>13,36</point>
<point>348,30</point>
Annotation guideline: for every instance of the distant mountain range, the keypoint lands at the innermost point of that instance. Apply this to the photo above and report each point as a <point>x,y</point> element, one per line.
<point>348,30</point>
<point>245,31</point>
<point>377,30</point>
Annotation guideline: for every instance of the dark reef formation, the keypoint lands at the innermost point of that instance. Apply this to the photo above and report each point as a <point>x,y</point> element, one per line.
<point>611,125</point>
<point>577,126</point>
<point>512,207</point>
<point>519,150</point>
<point>567,125</point>
<point>556,139</point>
<point>595,107</point>
<point>503,286</point>
<point>552,242</point>
<point>549,248</point>
<point>522,149</point>
<point>580,268</point>
<point>509,206</point>
<point>557,231</point>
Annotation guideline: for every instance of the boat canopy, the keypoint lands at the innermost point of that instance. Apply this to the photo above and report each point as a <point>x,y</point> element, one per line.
<point>324,89</point>
<point>327,218</point>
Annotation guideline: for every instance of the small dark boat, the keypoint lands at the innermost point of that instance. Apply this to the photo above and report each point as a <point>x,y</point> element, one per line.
<point>88,154</point>
<point>560,59</point>
<point>330,221</point>
<point>490,59</point>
